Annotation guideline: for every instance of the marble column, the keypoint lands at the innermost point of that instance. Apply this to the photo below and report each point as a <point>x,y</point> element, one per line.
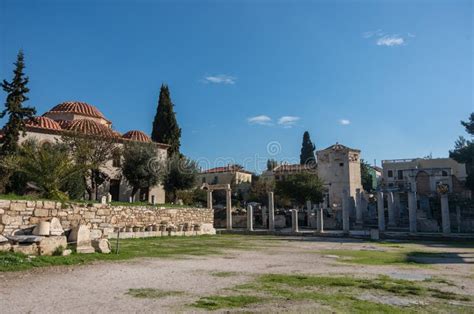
<point>271,212</point>
<point>412,211</point>
<point>458,217</point>
<point>209,199</point>
<point>249,217</point>
<point>380,211</point>
<point>294,220</point>
<point>345,212</point>
<point>320,218</point>
<point>391,209</point>
<point>396,207</point>
<point>445,220</point>
<point>229,209</point>
<point>264,217</point>
<point>358,207</point>
<point>309,212</point>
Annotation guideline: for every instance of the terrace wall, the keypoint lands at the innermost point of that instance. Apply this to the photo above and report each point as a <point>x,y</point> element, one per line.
<point>101,219</point>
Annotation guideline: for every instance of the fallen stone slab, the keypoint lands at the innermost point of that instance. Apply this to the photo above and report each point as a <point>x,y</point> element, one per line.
<point>49,245</point>
<point>24,238</point>
<point>27,249</point>
<point>101,246</point>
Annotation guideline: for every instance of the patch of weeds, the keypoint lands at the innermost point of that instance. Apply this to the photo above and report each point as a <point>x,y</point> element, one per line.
<point>224,274</point>
<point>150,293</point>
<point>221,302</point>
<point>161,247</point>
<point>440,280</point>
<point>366,257</point>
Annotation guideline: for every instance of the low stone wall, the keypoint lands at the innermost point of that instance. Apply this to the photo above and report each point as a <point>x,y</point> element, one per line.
<point>101,219</point>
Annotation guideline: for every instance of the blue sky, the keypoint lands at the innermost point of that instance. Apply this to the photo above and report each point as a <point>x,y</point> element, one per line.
<point>392,78</point>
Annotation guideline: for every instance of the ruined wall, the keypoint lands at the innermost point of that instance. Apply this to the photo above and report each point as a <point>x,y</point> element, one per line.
<point>101,219</point>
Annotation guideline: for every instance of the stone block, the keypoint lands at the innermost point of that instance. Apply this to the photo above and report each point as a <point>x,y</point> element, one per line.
<point>89,215</point>
<point>96,234</point>
<point>81,235</point>
<point>101,246</point>
<point>27,249</point>
<point>67,252</point>
<point>42,229</point>
<point>18,206</point>
<point>48,245</point>
<point>374,234</point>
<point>103,212</point>
<point>41,212</point>
<point>49,205</point>
<point>55,227</point>
<point>5,204</point>
<point>2,211</point>
<point>5,247</point>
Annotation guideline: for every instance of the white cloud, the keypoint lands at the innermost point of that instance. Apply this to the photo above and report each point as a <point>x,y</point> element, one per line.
<point>288,121</point>
<point>370,34</point>
<point>344,122</point>
<point>390,41</point>
<point>262,120</point>
<point>220,79</point>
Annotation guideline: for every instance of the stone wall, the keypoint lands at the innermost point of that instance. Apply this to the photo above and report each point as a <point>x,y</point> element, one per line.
<point>101,219</point>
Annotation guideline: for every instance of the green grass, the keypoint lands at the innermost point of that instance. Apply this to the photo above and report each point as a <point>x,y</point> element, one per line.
<point>165,247</point>
<point>341,294</point>
<point>369,257</point>
<point>223,302</point>
<point>150,293</point>
<point>224,274</point>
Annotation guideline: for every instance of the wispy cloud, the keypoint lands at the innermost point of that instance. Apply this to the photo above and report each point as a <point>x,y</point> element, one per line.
<point>262,120</point>
<point>390,41</point>
<point>371,34</point>
<point>220,79</point>
<point>382,38</point>
<point>288,121</point>
<point>344,122</point>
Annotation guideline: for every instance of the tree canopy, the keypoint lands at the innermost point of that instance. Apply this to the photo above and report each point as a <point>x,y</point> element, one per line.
<point>180,175</point>
<point>300,188</point>
<point>141,166</point>
<point>463,151</point>
<point>16,95</point>
<point>366,176</point>
<point>165,126</point>
<point>307,150</point>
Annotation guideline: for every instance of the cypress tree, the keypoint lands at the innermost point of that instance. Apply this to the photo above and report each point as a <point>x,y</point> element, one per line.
<point>165,127</point>
<point>16,94</point>
<point>307,150</point>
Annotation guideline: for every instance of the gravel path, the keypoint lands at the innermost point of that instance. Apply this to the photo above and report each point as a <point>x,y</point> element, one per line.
<point>102,287</point>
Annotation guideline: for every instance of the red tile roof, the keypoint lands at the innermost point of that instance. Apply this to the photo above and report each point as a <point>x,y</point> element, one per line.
<point>138,136</point>
<point>78,108</point>
<point>42,123</point>
<point>230,168</point>
<point>90,127</point>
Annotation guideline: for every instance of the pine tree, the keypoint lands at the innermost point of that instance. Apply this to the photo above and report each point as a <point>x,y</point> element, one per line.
<point>165,127</point>
<point>307,150</point>
<point>16,94</point>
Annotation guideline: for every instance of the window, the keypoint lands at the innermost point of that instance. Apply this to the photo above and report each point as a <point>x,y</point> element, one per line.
<point>216,180</point>
<point>444,173</point>
<point>400,174</point>
<point>390,173</point>
<point>116,159</point>
<point>203,179</point>
<point>341,164</point>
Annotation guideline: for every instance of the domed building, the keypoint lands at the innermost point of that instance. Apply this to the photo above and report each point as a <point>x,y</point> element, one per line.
<point>79,118</point>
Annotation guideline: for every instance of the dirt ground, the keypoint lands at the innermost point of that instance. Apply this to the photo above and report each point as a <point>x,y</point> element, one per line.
<point>103,286</point>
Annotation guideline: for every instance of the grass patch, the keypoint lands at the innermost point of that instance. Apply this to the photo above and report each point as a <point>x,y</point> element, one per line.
<point>370,257</point>
<point>342,294</point>
<point>150,293</point>
<point>224,274</point>
<point>223,302</point>
<point>161,247</point>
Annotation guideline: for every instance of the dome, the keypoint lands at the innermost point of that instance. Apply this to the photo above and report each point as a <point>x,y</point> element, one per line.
<point>43,123</point>
<point>138,136</point>
<point>90,127</point>
<point>77,107</point>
